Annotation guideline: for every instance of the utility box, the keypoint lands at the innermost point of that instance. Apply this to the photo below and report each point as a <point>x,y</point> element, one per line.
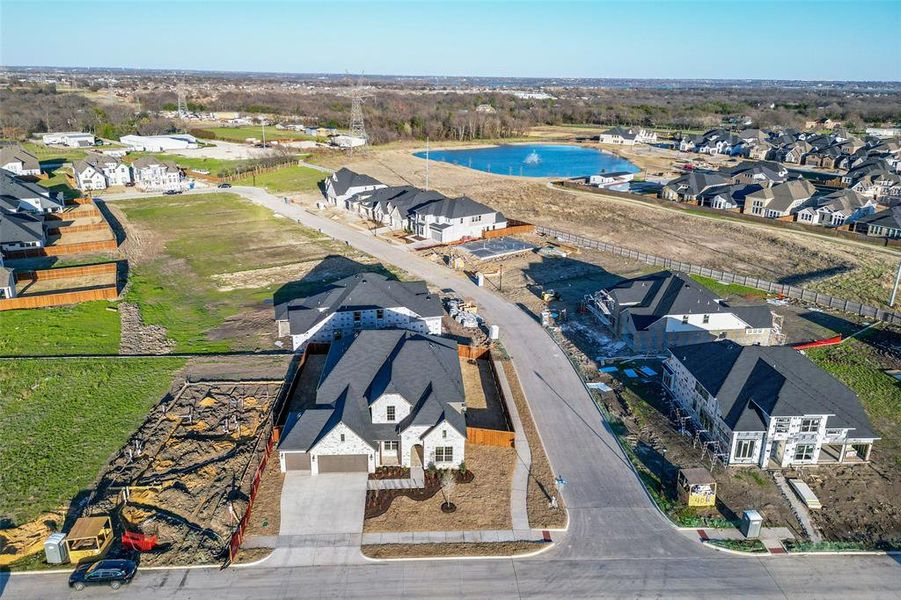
<point>55,549</point>
<point>494,332</point>
<point>751,521</point>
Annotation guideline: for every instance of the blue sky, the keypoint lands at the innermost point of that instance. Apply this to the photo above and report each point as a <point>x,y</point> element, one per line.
<point>671,39</point>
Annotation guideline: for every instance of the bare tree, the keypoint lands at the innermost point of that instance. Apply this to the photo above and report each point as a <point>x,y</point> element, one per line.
<point>448,485</point>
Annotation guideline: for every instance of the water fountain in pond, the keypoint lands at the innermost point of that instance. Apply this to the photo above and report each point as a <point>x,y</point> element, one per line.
<point>532,159</point>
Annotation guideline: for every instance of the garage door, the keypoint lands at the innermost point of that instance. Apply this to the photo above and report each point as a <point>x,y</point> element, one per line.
<point>346,463</point>
<point>297,461</point>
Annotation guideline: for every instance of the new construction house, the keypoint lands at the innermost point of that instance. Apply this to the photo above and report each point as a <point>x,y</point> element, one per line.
<point>654,312</point>
<point>767,406</point>
<point>362,301</point>
<point>385,398</point>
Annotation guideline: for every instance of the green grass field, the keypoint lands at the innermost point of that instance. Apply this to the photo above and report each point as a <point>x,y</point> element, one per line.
<point>60,420</point>
<point>854,363</point>
<point>86,328</point>
<point>206,236</point>
<point>57,182</point>
<point>240,134</point>
<point>725,290</point>
<point>52,153</point>
<point>216,166</point>
<point>289,179</point>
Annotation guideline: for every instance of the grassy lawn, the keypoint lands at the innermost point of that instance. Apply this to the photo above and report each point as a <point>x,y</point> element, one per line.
<point>725,290</point>
<point>289,179</point>
<point>252,131</point>
<point>86,328</point>
<point>208,237</point>
<point>854,363</point>
<point>53,153</point>
<point>61,420</point>
<point>57,182</point>
<point>216,166</point>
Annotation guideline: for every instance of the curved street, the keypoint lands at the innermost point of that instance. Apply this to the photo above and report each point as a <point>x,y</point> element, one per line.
<point>617,546</point>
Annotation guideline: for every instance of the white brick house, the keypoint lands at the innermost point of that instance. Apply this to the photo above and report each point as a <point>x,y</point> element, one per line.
<point>360,302</point>
<point>153,174</point>
<point>98,172</point>
<point>451,219</point>
<point>767,406</point>
<point>19,162</point>
<point>385,398</point>
<point>344,184</point>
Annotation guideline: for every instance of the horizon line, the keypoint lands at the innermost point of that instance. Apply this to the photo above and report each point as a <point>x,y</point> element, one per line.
<point>424,76</point>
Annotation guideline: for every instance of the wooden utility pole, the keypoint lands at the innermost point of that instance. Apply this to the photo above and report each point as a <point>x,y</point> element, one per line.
<point>891,301</point>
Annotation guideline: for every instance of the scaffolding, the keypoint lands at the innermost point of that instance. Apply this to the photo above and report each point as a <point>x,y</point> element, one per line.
<point>600,304</point>
<point>777,337</point>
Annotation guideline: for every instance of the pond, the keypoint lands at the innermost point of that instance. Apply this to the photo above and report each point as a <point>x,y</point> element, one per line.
<point>535,160</point>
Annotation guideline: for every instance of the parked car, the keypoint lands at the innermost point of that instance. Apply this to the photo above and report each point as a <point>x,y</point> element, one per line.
<point>171,192</point>
<point>224,186</point>
<point>111,572</point>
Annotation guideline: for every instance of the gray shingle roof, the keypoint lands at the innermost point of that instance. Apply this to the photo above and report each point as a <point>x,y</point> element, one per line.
<point>652,297</point>
<point>696,182</point>
<point>364,291</point>
<point>13,188</point>
<point>423,369</point>
<point>344,179</point>
<point>453,208</point>
<point>21,227</point>
<point>751,382</point>
<point>15,153</point>
<point>780,197</point>
<point>890,218</point>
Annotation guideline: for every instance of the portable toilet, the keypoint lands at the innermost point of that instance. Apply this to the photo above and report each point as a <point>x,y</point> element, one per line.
<point>751,521</point>
<point>494,332</point>
<point>480,279</point>
<point>55,549</point>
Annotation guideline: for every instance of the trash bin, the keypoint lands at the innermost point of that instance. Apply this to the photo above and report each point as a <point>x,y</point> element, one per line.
<point>751,521</point>
<point>55,549</point>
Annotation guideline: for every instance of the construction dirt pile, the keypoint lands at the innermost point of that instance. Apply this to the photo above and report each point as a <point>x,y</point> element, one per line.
<point>186,474</point>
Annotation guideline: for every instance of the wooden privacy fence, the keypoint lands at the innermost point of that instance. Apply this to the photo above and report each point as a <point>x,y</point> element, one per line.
<point>513,228</point>
<point>490,437</point>
<point>238,536</point>
<point>62,249</point>
<point>472,352</point>
<point>59,299</point>
<point>77,228</point>
<point>782,289</point>
<point>70,213</point>
<point>66,272</point>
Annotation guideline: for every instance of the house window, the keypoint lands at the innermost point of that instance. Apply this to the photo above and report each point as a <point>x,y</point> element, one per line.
<point>701,391</point>
<point>781,426</point>
<point>380,313</point>
<point>706,319</point>
<point>390,413</point>
<point>444,433</point>
<point>336,334</point>
<point>667,378</point>
<point>804,452</point>
<point>477,218</point>
<point>342,437</point>
<point>810,425</point>
<point>391,445</point>
<point>744,449</point>
<point>358,316</point>
<point>444,454</point>
<point>685,319</point>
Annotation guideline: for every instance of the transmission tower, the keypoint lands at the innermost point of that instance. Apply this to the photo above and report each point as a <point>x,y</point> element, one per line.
<point>182,99</point>
<point>357,94</point>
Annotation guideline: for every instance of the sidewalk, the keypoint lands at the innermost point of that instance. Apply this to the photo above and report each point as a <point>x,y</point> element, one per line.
<point>443,537</point>
<point>770,537</point>
<point>518,488</point>
<point>414,482</point>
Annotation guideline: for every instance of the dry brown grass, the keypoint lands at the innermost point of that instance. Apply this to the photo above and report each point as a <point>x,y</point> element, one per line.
<point>482,504</point>
<point>541,474</point>
<point>450,549</point>
<point>472,383</point>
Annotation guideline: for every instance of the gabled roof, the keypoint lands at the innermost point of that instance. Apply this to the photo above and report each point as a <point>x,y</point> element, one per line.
<point>697,181</point>
<point>364,291</point>
<point>735,192</point>
<point>753,382</point>
<point>890,218</point>
<point>781,196</point>
<point>623,132</point>
<point>16,153</point>
<point>453,208</point>
<point>343,179</point>
<point>841,201</point>
<point>150,161</point>
<point>98,162</point>
<point>21,227</point>
<point>14,188</point>
<point>423,369</point>
<point>649,298</point>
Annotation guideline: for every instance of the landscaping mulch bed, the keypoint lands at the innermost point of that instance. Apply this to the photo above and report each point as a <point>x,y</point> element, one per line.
<point>390,473</point>
<point>379,501</point>
<point>450,549</point>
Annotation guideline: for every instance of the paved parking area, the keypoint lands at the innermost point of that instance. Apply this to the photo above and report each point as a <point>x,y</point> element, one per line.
<point>322,520</point>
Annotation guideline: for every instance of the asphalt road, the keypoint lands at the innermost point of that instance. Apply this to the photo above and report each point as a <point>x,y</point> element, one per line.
<point>617,545</point>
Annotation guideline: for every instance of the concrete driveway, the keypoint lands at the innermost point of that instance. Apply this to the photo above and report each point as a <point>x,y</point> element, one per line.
<point>331,503</point>
<point>322,520</point>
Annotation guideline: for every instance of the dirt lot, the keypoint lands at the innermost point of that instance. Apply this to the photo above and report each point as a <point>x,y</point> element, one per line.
<point>482,504</point>
<point>483,401</point>
<point>844,269</point>
<point>67,284</point>
<point>452,549</point>
<point>188,469</point>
